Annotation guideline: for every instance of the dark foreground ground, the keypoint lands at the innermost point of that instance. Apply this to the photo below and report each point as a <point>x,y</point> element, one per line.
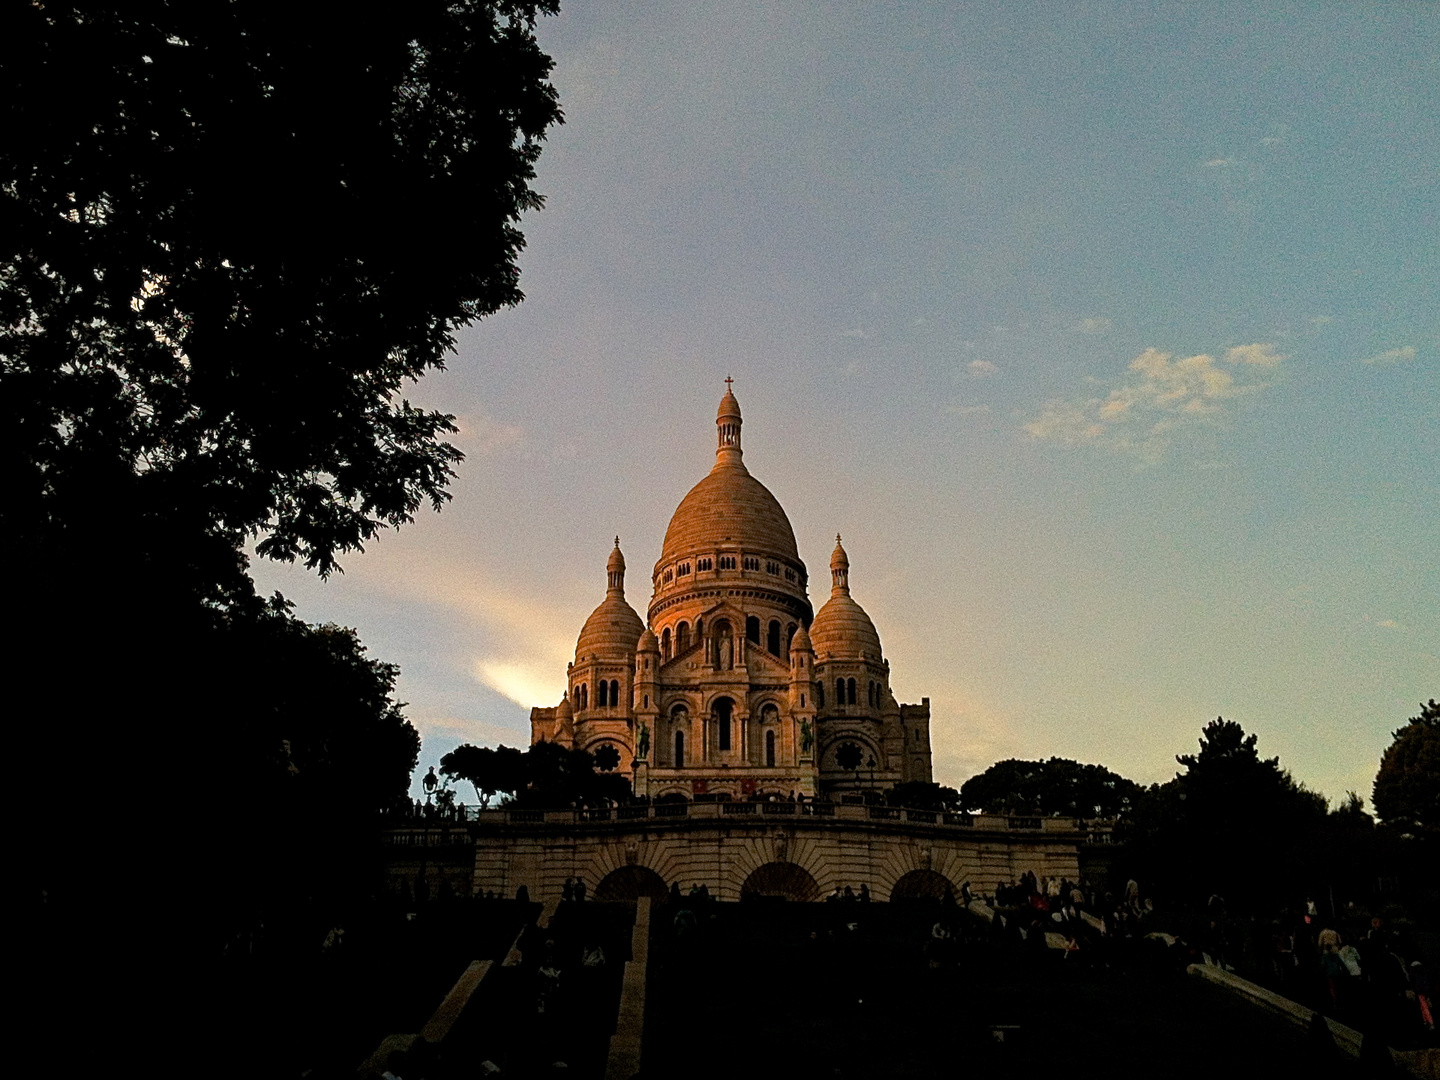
<point>739,990</point>
<point>853,993</point>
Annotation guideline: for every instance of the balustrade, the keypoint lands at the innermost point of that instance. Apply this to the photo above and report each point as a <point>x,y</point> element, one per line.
<point>1095,833</point>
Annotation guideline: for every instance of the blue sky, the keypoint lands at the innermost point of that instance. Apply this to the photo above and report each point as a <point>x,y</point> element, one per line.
<point>1107,334</point>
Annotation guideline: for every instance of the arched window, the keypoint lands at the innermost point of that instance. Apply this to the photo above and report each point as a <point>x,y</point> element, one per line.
<point>699,629</point>
<point>723,708</point>
<point>852,691</point>
<point>772,639</point>
<point>839,691</point>
<point>584,695</point>
<point>682,638</point>
<point>789,638</point>
<point>770,748</point>
<point>614,692</point>
<point>820,695</point>
<point>602,690</point>
<point>752,630</point>
<point>679,748</point>
<point>665,645</point>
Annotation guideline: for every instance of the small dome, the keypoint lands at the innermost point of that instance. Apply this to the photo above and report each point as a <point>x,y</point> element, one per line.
<point>564,709</point>
<point>613,628</point>
<point>648,642</point>
<point>610,632</point>
<point>841,629</point>
<point>801,641</point>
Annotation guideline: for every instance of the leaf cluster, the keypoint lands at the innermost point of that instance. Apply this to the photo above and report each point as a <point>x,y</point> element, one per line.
<point>1056,786</point>
<point>1407,785</point>
<point>232,244</point>
<point>545,775</point>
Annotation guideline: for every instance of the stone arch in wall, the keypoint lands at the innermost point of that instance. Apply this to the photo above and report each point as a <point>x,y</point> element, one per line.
<point>780,881</point>
<point>922,885</point>
<point>629,883</point>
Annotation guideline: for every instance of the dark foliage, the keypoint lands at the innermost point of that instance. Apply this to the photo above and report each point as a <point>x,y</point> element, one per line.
<point>230,235</point>
<point>1057,786</point>
<point>1407,786</point>
<point>1232,823</point>
<point>231,243</point>
<point>557,777</point>
<point>492,770</point>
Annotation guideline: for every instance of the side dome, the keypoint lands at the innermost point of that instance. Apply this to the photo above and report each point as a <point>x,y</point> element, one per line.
<point>613,629</point>
<point>729,506</point>
<point>841,629</point>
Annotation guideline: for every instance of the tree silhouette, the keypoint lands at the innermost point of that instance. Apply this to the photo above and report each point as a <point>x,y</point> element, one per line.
<point>489,770</point>
<point>234,241</point>
<point>1407,786</point>
<point>1232,822</point>
<point>1056,786</point>
<point>233,234</point>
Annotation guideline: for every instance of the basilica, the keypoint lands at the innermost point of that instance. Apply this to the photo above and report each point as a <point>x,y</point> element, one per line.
<point>732,686</point>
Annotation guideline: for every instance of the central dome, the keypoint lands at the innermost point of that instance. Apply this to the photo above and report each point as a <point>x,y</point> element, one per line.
<point>729,508</point>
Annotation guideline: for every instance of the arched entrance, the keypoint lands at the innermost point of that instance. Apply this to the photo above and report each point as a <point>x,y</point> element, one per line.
<point>629,883</point>
<point>780,881</point>
<point>922,885</point>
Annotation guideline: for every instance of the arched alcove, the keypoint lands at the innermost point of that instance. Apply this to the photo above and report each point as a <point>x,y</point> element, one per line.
<point>780,881</point>
<point>629,883</point>
<point>922,885</point>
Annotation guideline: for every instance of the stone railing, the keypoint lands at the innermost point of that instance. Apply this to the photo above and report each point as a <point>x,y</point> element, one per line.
<point>729,810</point>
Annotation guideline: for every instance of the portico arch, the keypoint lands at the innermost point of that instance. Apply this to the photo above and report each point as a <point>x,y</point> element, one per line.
<point>629,883</point>
<point>780,881</point>
<point>922,885</point>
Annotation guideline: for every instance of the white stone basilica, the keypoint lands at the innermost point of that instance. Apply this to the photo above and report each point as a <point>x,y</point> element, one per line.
<point>732,687</point>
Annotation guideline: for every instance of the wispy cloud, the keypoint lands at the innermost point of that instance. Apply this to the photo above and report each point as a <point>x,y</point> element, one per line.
<point>1097,325</point>
<point>480,434</point>
<point>981,368</point>
<point>1402,355</point>
<point>1160,396</point>
<point>1218,163</point>
<point>854,332</point>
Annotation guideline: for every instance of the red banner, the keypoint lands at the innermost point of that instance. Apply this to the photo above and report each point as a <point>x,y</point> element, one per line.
<point>698,787</point>
<point>747,787</point>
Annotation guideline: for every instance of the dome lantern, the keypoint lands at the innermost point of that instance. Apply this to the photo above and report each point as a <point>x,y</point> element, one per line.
<point>615,572</point>
<point>839,570</point>
<point>728,422</point>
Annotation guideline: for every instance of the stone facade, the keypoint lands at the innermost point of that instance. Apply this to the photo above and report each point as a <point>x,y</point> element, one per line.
<point>733,686</point>
<point>738,850</point>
